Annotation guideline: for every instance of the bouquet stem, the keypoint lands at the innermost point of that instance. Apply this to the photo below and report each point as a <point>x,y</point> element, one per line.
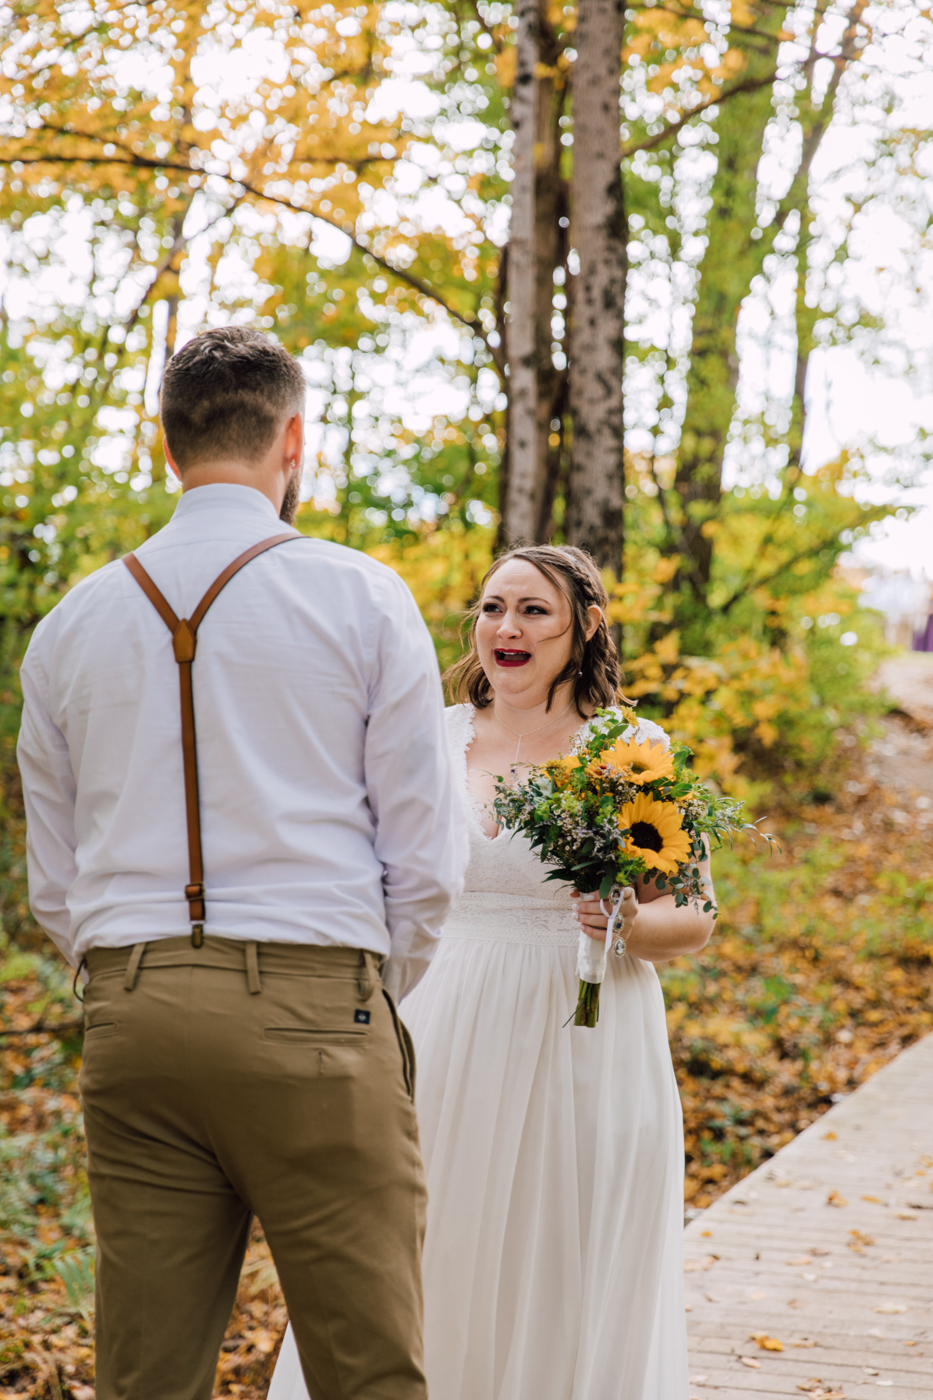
<point>587,1012</point>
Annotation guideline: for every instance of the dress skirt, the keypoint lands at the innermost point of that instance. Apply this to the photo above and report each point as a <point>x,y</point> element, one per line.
<point>553,1265</point>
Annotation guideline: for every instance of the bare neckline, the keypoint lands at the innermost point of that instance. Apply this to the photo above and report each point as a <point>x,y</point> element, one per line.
<point>475,806</point>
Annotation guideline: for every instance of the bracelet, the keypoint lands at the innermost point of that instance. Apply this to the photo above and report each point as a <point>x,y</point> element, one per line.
<point>618,947</point>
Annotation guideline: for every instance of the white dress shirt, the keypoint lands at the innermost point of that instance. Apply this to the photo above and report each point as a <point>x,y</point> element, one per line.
<point>328,811</point>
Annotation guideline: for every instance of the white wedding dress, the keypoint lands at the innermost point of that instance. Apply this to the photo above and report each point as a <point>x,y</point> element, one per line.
<point>553,1266</point>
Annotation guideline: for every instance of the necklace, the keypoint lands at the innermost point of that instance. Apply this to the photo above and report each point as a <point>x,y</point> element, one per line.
<point>529,733</point>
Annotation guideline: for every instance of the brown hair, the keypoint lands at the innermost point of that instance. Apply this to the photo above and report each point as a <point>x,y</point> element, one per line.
<point>226,394</point>
<point>593,664</point>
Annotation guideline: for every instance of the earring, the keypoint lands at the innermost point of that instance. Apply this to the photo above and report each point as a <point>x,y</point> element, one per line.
<point>292,462</point>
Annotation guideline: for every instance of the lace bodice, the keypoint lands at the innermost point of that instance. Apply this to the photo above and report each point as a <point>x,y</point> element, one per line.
<point>506,895</point>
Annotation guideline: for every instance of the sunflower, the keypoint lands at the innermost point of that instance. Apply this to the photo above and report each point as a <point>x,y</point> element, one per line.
<point>640,763</point>
<point>560,769</point>
<point>655,831</point>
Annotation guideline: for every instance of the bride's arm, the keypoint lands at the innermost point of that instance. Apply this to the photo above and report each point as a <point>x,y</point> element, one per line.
<point>655,929</point>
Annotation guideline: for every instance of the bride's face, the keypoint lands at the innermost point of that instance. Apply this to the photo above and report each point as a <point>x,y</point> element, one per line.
<point>524,633</point>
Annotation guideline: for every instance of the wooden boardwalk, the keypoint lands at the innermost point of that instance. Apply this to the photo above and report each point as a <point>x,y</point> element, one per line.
<point>814,1276</point>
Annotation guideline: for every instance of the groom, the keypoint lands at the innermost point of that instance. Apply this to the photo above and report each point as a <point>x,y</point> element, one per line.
<point>242,830</point>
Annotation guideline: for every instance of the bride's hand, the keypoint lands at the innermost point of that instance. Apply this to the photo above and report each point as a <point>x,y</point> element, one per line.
<point>592,916</point>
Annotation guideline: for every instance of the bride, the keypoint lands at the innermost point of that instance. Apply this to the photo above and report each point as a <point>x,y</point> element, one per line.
<point>554,1155</point>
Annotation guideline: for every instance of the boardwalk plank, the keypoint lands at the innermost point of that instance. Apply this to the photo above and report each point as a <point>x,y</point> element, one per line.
<point>797,1253</point>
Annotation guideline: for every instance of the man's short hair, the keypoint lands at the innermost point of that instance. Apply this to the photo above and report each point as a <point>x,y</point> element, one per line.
<point>226,394</point>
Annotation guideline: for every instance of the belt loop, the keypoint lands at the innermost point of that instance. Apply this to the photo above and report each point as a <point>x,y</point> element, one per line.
<point>132,967</point>
<point>366,976</point>
<point>252,968</point>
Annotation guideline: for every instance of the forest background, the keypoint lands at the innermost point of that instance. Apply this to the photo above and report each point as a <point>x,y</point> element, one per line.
<point>508,331</point>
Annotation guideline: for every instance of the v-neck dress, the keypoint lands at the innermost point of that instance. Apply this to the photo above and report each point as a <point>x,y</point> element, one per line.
<point>553,1265</point>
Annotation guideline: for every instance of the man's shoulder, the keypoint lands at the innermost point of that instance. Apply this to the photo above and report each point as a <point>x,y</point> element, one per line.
<point>85,595</point>
<point>343,556</point>
<point>341,562</point>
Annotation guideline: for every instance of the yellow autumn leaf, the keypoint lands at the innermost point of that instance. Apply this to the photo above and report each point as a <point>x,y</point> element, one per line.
<point>765,1342</point>
<point>506,64</point>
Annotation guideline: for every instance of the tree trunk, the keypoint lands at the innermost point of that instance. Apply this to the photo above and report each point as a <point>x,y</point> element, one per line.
<point>520,515</point>
<point>596,488</point>
<point>729,265</point>
<point>538,201</point>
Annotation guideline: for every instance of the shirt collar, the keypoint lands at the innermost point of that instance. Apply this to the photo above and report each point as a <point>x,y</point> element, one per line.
<point>224,497</point>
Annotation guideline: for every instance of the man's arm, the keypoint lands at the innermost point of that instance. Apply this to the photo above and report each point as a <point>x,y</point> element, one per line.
<point>49,795</point>
<point>421,836</point>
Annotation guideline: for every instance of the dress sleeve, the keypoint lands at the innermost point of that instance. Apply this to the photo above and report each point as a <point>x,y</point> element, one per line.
<point>421,837</point>
<point>49,797</point>
<point>647,729</point>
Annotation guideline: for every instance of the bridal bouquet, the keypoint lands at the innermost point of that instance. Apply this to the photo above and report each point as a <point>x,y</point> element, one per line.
<point>611,811</point>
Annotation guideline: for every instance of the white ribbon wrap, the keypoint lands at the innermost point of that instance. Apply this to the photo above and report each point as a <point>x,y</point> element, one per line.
<point>591,954</point>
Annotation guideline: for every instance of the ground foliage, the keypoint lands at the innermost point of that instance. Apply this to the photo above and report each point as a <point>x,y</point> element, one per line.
<point>819,972</point>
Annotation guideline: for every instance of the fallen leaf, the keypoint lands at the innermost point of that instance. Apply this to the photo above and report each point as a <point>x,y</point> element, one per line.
<point>906,1215</point>
<point>829,1137</point>
<point>807,1342</point>
<point>694,1266</point>
<point>875,1200</point>
<point>750,1361</point>
<point>801,1262</point>
<point>891,1308</point>
<point>82,1392</point>
<point>910,1344</point>
<point>859,1242</point>
<point>706,1234</point>
<point>765,1342</point>
<point>698,1380</point>
<point>835,1199</point>
<point>884,1382</point>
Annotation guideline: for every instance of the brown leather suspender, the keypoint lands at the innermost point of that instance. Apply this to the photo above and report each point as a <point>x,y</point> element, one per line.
<point>184,641</point>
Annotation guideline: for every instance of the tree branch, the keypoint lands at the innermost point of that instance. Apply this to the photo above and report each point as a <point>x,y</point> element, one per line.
<point>747,586</point>
<point>750,85</point>
<point>134,161</point>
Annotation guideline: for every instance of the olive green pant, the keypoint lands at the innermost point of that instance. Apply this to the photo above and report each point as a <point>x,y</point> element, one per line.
<point>239,1079</point>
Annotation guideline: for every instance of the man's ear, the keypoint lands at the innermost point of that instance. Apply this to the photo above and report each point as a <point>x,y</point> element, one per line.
<point>169,458</point>
<point>295,439</point>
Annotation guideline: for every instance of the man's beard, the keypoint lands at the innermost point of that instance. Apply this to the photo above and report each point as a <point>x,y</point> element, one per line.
<point>290,503</point>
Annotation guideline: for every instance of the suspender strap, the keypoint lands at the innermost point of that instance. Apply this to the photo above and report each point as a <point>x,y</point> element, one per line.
<point>184,642</point>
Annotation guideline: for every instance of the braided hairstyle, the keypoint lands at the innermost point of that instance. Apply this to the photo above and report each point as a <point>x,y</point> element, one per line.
<point>593,666</point>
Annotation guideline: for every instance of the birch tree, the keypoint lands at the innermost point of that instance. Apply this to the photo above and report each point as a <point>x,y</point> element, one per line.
<point>525,475</point>
<point>595,490</point>
<point>535,386</point>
